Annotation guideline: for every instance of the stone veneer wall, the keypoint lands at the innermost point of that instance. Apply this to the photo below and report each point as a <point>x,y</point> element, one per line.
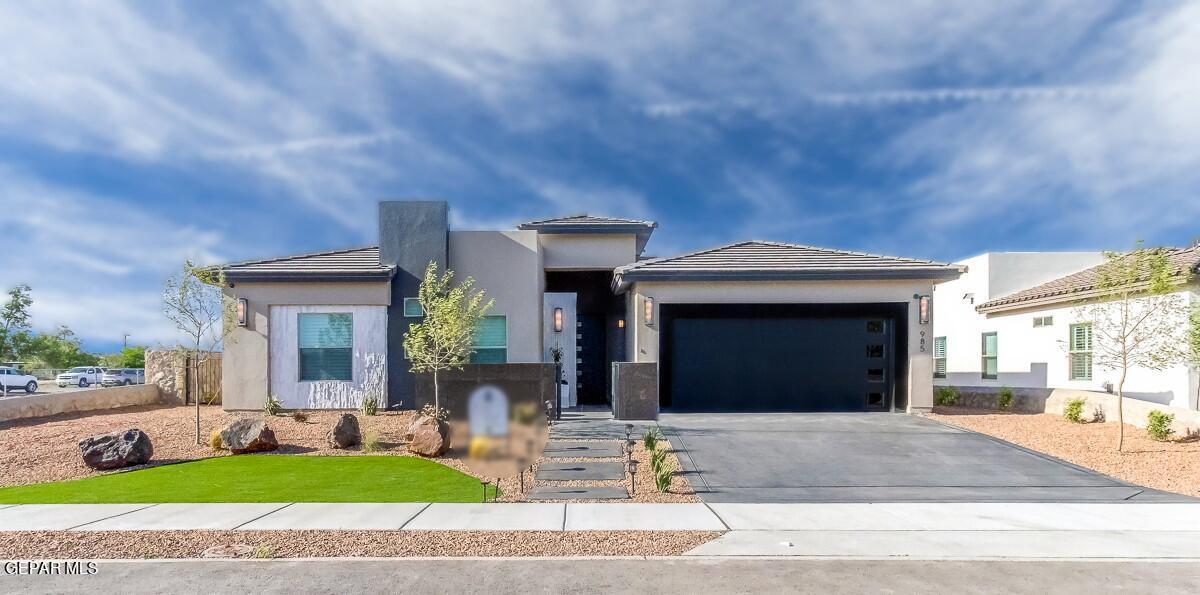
<point>84,400</point>
<point>162,371</point>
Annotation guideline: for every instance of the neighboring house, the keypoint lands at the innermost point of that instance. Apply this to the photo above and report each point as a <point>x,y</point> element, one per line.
<point>1011,320</point>
<point>749,326</point>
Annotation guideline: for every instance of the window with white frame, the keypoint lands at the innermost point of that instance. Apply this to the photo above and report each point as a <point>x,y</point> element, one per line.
<point>1042,321</point>
<point>1081,351</point>
<point>491,341</point>
<point>326,347</point>
<point>991,356</point>
<point>939,357</point>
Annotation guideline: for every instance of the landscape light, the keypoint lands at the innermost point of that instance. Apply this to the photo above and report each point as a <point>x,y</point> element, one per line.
<point>243,310</point>
<point>558,320</point>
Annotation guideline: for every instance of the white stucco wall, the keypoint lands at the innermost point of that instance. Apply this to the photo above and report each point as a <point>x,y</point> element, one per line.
<point>1034,357</point>
<point>587,251</point>
<point>507,265</point>
<point>643,339</point>
<point>369,364</point>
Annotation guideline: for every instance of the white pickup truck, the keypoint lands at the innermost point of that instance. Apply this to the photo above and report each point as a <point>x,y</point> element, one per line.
<point>81,376</point>
<point>12,379</point>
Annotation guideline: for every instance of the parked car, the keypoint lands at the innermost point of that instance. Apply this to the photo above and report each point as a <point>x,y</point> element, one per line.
<point>13,379</point>
<point>123,376</point>
<point>81,376</point>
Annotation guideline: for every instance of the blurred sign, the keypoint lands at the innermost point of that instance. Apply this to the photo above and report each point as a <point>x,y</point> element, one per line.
<point>487,411</point>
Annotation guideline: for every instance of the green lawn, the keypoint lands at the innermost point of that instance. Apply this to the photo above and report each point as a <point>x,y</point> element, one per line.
<point>264,478</point>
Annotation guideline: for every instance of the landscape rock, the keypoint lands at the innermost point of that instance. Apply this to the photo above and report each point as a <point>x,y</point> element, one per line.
<point>248,435</point>
<point>116,450</point>
<point>429,437</point>
<point>345,433</point>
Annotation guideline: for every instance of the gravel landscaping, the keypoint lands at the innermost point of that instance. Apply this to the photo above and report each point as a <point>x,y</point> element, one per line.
<point>313,544</point>
<point>1172,466</point>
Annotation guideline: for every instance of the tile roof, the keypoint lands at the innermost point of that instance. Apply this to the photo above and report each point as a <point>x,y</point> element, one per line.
<point>585,220</point>
<point>1077,285</point>
<point>353,264</point>
<point>759,260</point>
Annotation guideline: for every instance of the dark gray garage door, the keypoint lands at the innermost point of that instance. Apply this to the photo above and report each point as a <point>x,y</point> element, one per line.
<point>776,358</point>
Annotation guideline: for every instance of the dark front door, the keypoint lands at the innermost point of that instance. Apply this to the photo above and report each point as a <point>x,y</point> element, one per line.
<point>590,349</point>
<point>779,363</point>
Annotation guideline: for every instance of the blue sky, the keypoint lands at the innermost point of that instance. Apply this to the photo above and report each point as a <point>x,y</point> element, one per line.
<point>135,135</point>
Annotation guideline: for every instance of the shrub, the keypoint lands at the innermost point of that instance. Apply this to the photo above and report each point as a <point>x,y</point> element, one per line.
<point>1158,425</point>
<point>439,414</point>
<point>1073,411</point>
<point>946,396</point>
<point>272,407</point>
<point>662,479</point>
<point>650,439</point>
<point>214,440</point>
<point>1098,416</point>
<point>369,405</point>
<point>371,442</point>
<point>300,416</point>
<point>658,460</point>
<point>1006,397</point>
<point>263,552</point>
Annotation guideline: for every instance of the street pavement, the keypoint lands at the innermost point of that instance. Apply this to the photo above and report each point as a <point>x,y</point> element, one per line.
<point>619,575</point>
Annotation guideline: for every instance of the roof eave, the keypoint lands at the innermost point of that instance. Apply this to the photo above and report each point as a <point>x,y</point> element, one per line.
<point>622,279</point>
<point>1060,299</point>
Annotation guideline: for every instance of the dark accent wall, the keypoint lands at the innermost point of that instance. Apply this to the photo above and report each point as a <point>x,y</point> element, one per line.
<point>635,395</point>
<point>523,383</point>
<point>411,234</point>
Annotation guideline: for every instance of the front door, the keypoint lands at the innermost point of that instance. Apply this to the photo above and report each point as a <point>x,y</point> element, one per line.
<point>590,370</point>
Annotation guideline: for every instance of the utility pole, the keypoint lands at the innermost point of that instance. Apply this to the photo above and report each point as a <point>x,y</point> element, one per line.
<point>125,341</point>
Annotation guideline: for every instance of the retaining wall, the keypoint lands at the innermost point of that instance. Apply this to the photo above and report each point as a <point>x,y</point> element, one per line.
<point>1052,400</point>
<point>83,400</point>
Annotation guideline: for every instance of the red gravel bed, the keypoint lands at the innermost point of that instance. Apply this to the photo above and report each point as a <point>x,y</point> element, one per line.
<point>1172,466</point>
<point>310,544</point>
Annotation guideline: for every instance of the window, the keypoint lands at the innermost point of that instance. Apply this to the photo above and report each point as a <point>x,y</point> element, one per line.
<point>1041,321</point>
<point>874,326</point>
<point>939,357</point>
<point>491,341</point>
<point>990,356</point>
<point>1081,351</point>
<point>412,308</point>
<point>326,347</point>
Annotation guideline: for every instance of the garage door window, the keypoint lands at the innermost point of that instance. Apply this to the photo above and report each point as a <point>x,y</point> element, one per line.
<point>991,356</point>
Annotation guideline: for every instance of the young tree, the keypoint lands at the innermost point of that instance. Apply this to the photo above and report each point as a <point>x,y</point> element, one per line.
<point>14,322</point>
<point>1193,339</point>
<point>443,339</point>
<point>1137,317</point>
<point>194,302</point>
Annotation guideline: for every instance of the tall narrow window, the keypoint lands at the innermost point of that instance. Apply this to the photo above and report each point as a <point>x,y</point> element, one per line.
<point>991,354</point>
<point>326,344</point>
<point>1081,351</point>
<point>491,341</point>
<point>939,357</point>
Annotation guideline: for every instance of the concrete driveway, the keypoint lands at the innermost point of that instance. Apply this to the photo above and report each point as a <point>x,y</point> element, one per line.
<point>873,457</point>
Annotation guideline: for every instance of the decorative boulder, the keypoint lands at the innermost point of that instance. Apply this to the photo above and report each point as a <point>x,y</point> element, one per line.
<point>116,450</point>
<point>248,435</point>
<point>345,432</point>
<point>429,437</point>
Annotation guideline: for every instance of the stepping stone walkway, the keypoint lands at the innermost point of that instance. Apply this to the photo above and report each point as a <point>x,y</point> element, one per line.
<point>551,471</point>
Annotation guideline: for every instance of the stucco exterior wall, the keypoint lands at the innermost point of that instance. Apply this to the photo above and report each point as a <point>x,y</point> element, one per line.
<point>245,368</point>
<point>643,339</point>
<point>587,251</point>
<point>95,399</point>
<point>507,265</point>
<point>369,369</point>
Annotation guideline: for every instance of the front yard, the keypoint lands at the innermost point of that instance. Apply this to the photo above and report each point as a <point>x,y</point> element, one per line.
<point>264,478</point>
<point>1172,466</point>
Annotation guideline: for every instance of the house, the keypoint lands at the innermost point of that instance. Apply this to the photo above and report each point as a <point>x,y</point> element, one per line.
<point>752,326</point>
<point>1012,320</point>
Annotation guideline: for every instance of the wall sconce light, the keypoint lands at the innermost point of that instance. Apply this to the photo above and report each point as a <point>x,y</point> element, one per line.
<point>558,321</point>
<point>620,323</point>
<point>649,314</point>
<point>923,304</point>
<point>243,311</point>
